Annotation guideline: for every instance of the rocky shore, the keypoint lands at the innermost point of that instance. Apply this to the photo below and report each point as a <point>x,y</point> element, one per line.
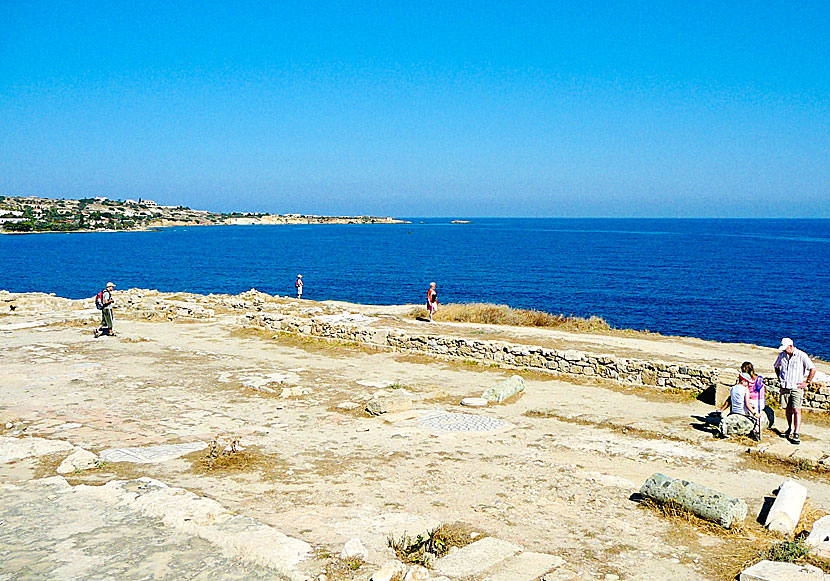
<point>342,427</point>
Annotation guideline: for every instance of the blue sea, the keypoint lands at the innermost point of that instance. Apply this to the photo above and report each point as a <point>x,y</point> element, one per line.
<point>738,280</point>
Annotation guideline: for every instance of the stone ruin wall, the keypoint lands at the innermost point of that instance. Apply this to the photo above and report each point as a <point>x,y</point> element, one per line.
<point>569,363</point>
<point>659,374</point>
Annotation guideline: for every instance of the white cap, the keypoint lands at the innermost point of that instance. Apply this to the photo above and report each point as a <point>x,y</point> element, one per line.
<point>299,276</point>
<point>785,343</point>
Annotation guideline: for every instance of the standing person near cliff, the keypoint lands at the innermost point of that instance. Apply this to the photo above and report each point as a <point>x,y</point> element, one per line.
<point>791,366</point>
<point>432,300</point>
<point>104,301</point>
<point>299,285</point>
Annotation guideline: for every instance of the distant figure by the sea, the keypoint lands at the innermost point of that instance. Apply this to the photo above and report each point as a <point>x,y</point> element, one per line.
<point>432,300</point>
<point>299,286</point>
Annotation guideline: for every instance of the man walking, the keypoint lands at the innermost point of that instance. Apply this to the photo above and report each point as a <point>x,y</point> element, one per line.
<point>106,312</point>
<point>791,366</point>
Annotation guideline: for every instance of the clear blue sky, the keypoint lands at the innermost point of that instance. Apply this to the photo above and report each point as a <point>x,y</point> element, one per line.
<point>425,109</point>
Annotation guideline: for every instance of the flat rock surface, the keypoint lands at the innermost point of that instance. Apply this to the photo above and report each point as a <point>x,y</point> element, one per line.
<point>476,558</point>
<point>51,532</point>
<point>151,454</point>
<point>557,480</point>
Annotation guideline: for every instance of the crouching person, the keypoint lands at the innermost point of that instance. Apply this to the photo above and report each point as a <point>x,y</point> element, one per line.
<point>745,416</point>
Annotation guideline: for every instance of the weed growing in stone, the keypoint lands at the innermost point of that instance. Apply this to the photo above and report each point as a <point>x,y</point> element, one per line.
<point>423,550</point>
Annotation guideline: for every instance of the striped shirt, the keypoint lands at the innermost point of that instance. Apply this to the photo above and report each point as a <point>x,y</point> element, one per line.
<point>793,368</point>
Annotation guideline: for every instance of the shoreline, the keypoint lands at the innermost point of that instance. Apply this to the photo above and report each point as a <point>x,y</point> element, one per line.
<point>156,227</point>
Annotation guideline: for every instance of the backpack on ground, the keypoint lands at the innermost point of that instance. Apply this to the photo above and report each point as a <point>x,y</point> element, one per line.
<point>99,300</point>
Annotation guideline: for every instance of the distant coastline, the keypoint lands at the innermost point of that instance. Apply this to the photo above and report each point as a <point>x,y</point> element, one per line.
<point>32,215</point>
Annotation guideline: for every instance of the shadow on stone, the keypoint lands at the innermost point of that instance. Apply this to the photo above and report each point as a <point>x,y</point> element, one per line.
<point>762,516</point>
<point>707,395</point>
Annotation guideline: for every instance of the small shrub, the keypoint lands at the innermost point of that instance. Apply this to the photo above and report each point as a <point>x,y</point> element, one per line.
<point>788,551</point>
<point>423,550</point>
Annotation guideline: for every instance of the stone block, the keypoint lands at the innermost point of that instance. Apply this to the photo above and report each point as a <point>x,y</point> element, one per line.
<point>475,558</point>
<point>524,567</point>
<point>78,460</point>
<point>397,401</point>
<point>786,510</point>
<point>706,503</point>
<point>776,571</point>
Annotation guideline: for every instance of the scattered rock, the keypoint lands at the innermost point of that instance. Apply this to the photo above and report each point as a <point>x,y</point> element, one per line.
<point>348,405</point>
<point>820,536</point>
<point>776,571</point>
<point>78,460</point>
<point>474,402</point>
<point>388,570</point>
<point>505,389</point>
<point>354,549</point>
<point>739,425</point>
<point>295,391</point>
<point>704,502</point>
<point>396,401</point>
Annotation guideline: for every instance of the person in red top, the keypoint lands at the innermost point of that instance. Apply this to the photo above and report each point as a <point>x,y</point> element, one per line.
<point>432,300</point>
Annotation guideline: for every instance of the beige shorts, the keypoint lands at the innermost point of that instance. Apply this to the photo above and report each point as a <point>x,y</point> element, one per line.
<point>791,398</point>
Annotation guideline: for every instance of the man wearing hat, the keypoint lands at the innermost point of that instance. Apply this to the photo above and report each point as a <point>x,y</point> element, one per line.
<point>791,367</point>
<point>106,312</point>
<point>299,285</point>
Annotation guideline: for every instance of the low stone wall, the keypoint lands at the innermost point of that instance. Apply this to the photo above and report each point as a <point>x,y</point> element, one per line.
<point>571,363</point>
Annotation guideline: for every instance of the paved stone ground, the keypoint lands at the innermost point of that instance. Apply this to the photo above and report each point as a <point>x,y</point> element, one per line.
<point>557,481</point>
<point>48,532</point>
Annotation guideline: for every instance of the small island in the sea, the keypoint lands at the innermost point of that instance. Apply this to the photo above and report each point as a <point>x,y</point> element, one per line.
<point>460,222</point>
<point>34,214</point>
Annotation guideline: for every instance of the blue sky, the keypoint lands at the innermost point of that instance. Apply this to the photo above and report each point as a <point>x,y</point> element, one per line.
<point>700,109</point>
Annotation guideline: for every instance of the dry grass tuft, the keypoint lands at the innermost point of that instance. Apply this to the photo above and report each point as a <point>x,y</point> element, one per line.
<point>226,456</point>
<point>423,550</point>
<point>745,543</point>
<point>491,314</point>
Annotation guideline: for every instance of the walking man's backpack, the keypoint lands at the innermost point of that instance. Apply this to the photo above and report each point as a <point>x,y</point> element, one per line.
<point>99,300</point>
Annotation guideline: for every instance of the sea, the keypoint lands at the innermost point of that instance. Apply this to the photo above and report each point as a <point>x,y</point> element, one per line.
<point>729,280</point>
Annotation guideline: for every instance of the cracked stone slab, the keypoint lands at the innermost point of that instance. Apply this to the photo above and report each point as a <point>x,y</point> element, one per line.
<point>476,557</point>
<point>447,422</point>
<point>137,529</point>
<point>150,454</point>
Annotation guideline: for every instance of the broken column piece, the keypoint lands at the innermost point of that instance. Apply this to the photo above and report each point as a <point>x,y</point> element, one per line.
<point>702,501</point>
<point>786,510</point>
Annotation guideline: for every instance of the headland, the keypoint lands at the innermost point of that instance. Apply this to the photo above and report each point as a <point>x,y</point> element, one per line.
<point>33,214</point>
<point>232,431</point>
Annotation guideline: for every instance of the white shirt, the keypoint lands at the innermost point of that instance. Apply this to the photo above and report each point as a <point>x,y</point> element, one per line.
<point>737,395</point>
<point>793,368</point>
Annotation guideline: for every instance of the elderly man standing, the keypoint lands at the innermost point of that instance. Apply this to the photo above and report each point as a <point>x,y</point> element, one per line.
<point>791,367</point>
